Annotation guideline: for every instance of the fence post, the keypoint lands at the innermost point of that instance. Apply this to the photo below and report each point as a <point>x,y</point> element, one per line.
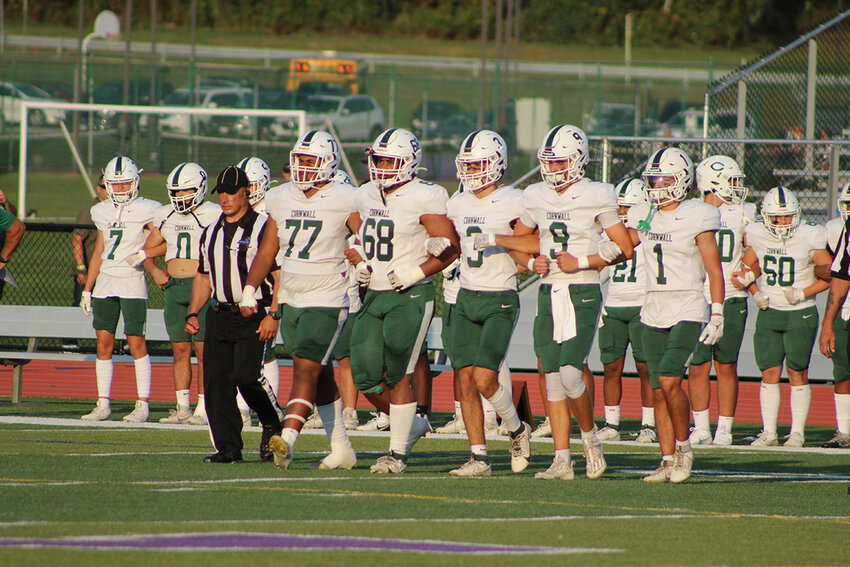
<point>832,184</point>
<point>811,87</point>
<point>741,126</point>
<point>606,158</point>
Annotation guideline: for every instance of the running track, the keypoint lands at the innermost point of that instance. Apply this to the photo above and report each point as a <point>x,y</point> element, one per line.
<point>47,379</point>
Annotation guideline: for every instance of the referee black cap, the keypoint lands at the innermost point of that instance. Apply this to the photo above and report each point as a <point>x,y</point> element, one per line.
<point>231,180</point>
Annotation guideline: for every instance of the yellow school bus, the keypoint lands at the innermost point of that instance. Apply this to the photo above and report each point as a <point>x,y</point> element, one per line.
<point>341,75</point>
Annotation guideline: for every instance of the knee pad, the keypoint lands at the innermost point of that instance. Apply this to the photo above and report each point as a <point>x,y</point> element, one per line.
<point>571,380</point>
<point>554,388</point>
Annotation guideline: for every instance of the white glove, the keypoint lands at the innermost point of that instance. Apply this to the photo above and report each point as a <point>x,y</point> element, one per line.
<point>136,259</point>
<point>248,300</point>
<point>406,278</point>
<point>85,303</point>
<point>449,272</point>
<point>713,331</point>
<point>437,245</point>
<point>762,301</point>
<point>363,273</point>
<point>609,250</point>
<point>794,295</point>
<point>483,239</point>
<point>749,277</point>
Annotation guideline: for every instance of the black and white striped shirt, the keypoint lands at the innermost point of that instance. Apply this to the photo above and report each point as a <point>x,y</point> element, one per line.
<point>841,262</point>
<point>227,252</point>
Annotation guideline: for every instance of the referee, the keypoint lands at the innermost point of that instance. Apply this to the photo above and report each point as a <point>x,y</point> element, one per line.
<point>234,350</point>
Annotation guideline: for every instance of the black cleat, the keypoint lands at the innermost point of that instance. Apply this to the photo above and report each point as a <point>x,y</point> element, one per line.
<point>224,457</point>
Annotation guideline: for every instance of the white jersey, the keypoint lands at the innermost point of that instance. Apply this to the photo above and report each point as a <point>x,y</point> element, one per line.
<point>124,234</point>
<point>833,235</point>
<point>786,263</point>
<point>675,274</point>
<point>313,237</point>
<point>730,242</point>
<point>391,234</point>
<point>182,232</point>
<point>491,269</point>
<point>627,285</point>
<point>569,222</point>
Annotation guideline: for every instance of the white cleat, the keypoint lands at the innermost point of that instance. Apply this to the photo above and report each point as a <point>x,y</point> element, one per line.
<point>543,430</point>
<point>560,469</point>
<point>521,449</point>
<point>472,468</point>
<point>456,425</point>
<point>594,457</point>
<point>682,463</point>
<point>647,435</point>
<point>840,441</point>
<point>765,439</point>
<point>661,474</point>
<point>380,422</point>
<point>100,412</point>
<point>349,418</point>
<point>200,418</point>
<point>179,415</point>
<point>314,421</point>
<point>699,437</point>
<point>282,452</point>
<point>341,456</point>
<point>608,433</point>
<point>388,464</point>
<point>139,414</point>
<point>795,439</point>
<point>421,427</point>
<point>723,437</point>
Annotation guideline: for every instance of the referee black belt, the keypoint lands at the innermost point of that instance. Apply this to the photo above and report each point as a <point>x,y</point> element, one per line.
<point>229,307</point>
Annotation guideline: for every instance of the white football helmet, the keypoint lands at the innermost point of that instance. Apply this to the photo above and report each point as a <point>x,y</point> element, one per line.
<point>259,177</point>
<point>630,192</point>
<point>486,149</point>
<point>722,176</point>
<point>403,148</point>
<point>780,202</point>
<point>844,202</point>
<point>342,177</point>
<point>563,143</point>
<point>121,170</point>
<point>321,146</point>
<point>668,176</point>
<point>187,176</point>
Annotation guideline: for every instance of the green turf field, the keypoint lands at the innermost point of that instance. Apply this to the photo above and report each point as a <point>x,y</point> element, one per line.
<point>71,495</point>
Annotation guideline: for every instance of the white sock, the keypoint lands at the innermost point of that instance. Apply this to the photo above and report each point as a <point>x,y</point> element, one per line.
<point>478,450</point>
<point>241,403</point>
<point>505,380</point>
<point>504,406</point>
<point>401,420</point>
<point>684,446</point>
<point>842,412</point>
<point>272,373</point>
<point>143,376</point>
<point>612,415</point>
<point>491,418</point>
<point>201,408</point>
<point>183,398</point>
<point>647,416</point>
<point>563,453</point>
<point>725,422</point>
<point>289,435</point>
<point>801,399</point>
<point>103,372</point>
<point>331,415</point>
<point>458,411</point>
<point>769,400</point>
<point>589,436</point>
<point>701,420</point>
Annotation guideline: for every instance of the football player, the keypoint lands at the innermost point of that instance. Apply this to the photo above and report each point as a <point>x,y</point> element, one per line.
<point>176,234</point>
<point>782,260</point>
<point>310,220</point>
<point>620,327</point>
<point>571,212</point>
<point>720,181</point>
<point>834,345</point>
<point>116,282</point>
<point>487,305</point>
<point>397,214</point>
<point>678,246</point>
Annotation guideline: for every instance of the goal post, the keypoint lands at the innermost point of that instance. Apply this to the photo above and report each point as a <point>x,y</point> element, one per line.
<point>79,139</point>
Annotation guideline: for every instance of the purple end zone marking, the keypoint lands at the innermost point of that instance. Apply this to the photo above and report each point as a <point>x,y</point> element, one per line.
<point>235,540</point>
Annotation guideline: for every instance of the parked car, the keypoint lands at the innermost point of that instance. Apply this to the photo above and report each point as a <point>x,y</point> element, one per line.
<point>355,118</point>
<point>429,117</point>
<point>203,98</point>
<point>11,96</point>
<point>247,126</point>
<point>56,89</point>
<point>613,119</point>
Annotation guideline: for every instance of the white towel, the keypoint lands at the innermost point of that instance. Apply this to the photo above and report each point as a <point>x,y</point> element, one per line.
<point>563,313</point>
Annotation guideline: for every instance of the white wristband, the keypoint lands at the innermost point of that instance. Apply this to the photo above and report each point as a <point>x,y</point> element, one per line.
<point>717,309</point>
<point>583,263</point>
<point>530,264</point>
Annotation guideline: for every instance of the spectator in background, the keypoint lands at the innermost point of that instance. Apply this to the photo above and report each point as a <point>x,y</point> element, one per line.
<point>83,241</point>
<point>15,228</point>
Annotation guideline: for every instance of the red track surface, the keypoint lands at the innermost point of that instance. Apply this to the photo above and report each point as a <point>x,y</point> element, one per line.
<point>45,379</point>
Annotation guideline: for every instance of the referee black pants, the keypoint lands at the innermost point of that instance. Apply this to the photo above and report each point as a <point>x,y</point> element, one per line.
<point>233,359</point>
